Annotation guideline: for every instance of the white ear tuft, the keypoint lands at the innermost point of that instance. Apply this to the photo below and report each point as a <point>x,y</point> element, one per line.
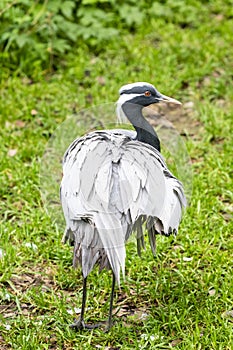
<point>121,117</point>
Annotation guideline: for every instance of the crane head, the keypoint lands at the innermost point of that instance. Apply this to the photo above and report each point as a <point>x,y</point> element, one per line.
<point>143,94</point>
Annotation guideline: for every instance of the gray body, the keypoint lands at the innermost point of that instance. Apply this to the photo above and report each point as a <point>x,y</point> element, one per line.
<point>113,183</point>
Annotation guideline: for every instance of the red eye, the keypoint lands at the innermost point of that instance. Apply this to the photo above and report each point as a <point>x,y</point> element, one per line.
<point>147,93</point>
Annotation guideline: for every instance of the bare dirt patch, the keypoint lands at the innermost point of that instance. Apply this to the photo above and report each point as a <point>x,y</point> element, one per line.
<point>170,116</point>
<point>3,345</point>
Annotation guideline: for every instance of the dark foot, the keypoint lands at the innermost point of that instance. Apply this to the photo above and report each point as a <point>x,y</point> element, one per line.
<point>80,324</point>
<point>108,327</point>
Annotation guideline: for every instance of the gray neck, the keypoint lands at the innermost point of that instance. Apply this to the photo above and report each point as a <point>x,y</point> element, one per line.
<point>145,132</point>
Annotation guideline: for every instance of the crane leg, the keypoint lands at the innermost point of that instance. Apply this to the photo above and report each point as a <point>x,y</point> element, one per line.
<point>80,324</point>
<point>109,325</point>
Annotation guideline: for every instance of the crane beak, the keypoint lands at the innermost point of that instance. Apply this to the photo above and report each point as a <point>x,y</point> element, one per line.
<point>167,99</point>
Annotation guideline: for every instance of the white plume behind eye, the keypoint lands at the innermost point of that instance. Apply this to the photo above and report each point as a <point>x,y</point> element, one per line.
<point>121,117</point>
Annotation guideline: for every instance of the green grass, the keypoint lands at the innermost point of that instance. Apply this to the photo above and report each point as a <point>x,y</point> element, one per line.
<point>184,303</point>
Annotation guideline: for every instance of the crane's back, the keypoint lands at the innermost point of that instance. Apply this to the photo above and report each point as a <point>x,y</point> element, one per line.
<point>110,182</point>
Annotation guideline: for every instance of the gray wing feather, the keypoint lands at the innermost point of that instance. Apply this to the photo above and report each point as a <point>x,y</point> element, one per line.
<point>112,184</point>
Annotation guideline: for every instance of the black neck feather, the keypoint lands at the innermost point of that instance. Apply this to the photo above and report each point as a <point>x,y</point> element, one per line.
<point>145,132</point>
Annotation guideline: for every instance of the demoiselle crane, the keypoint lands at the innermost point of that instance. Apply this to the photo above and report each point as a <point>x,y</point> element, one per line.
<point>113,182</point>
